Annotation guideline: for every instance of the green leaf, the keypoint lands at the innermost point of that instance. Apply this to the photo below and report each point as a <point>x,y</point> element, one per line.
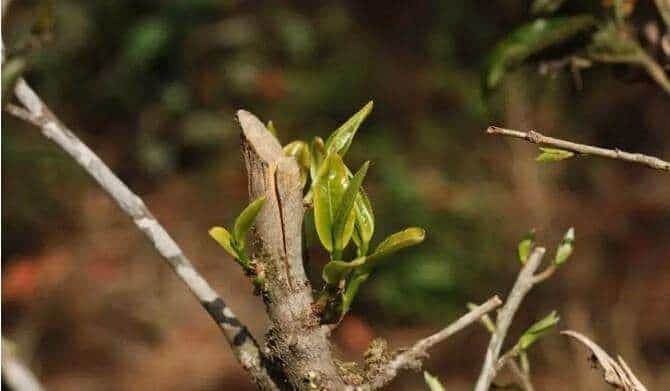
<point>553,155</point>
<point>329,187</point>
<point>300,151</point>
<point>223,237</point>
<point>343,225</point>
<point>271,128</point>
<point>245,220</point>
<point>12,70</point>
<point>334,271</point>
<point>340,140</point>
<point>318,153</point>
<point>545,6</point>
<point>564,249</point>
<point>397,241</point>
<point>536,330</point>
<point>432,382</point>
<point>526,245</point>
<point>530,39</point>
<point>351,290</point>
<point>365,222</point>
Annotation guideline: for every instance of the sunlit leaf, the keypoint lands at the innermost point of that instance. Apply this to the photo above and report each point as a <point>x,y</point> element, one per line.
<point>526,245</point>
<point>343,225</point>
<point>432,382</point>
<point>536,330</point>
<point>318,154</point>
<point>564,249</point>
<point>545,6</point>
<point>329,187</point>
<point>223,237</point>
<point>340,140</point>
<point>271,128</point>
<point>365,222</point>
<point>553,155</point>
<point>530,39</point>
<point>300,151</point>
<point>334,271</point>
<point>351,290</point>
<point>245,220</point>
<point>395,242</point>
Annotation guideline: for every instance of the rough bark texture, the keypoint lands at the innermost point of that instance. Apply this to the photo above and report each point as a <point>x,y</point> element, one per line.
<point>296,342</point>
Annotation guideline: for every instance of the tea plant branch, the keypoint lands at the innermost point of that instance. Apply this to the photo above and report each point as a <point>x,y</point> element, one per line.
<point>524,283</point>
<point>507,359</point>
<point>297,341</point>
<point>412,357</point>
<point>540,139</point>
<point>244,347</point>
<point>15,373</point>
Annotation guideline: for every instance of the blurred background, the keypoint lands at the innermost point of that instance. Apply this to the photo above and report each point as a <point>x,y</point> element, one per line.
<point>152,87</point>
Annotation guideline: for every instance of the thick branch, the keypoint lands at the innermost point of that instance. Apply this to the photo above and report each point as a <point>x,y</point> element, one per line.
<point>244,346</point>
<point>521,287</point>
<point>15,373</point>
<point>296,341</point>
<point>540,139</point>
<point>412,357</point>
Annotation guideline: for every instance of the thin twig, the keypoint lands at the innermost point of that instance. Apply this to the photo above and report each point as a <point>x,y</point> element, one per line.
<point>521,287</point>
<point>15,373</point>
<point>412,357</point>
<point>523,378</point>
<point>244,346</point>
<point>540,139</point>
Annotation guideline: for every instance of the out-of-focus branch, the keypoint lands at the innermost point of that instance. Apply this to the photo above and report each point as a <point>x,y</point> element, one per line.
<point>15,373</point>
<point>522,286</point>
<point>412,357</point>
<point>242,343</point>
<point>540,139</point>
<point>617,374</point>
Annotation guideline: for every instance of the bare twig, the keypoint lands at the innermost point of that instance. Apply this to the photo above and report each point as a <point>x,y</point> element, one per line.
<point>521,287</point>
<point>412,357</point>
<point>15,373</point>
<point>617,374</point>
<point>540,139</point>
<point>507,359</point>
<point>242,343</point>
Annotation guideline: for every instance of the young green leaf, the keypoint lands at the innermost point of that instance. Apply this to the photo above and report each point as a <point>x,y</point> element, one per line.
<point>526,245</point>
<point>343,225</point>
<point>397,241</point>
<point>245,220</point>
<point>432,382</point>
<point>564,249</point>
<point>300,151</point>
<point>223,237</point>
<point>271,128</point>
<point>365,222</point>
<point>334,271</point>
<point>530,39</point>
<point>340,140</point>
<point>553,155</point>
<point>329,187</point>
<point>536,330</point>
<point>318,154</point>
<point>351,290</point>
